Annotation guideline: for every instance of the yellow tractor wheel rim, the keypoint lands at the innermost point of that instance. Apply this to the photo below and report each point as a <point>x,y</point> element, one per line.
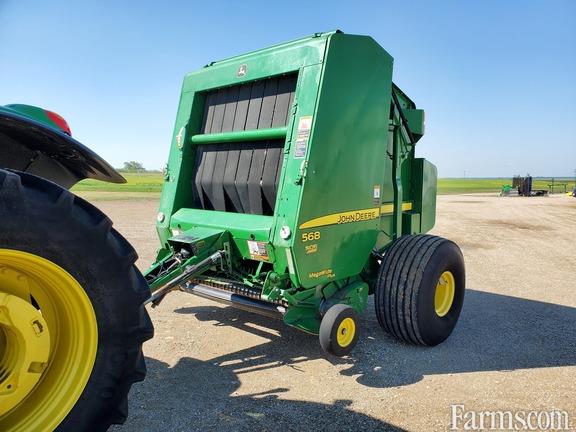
<point>444,296</point>
<point>346,332</point>
<point>48,342</point>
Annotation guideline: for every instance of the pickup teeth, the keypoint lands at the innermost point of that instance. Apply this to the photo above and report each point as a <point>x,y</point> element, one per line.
<point>235,288</point>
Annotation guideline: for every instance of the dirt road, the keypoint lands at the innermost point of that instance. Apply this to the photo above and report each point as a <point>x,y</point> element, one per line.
<point>216,368</point>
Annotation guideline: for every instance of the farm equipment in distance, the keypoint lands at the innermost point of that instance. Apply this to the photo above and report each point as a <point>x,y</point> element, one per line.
<point>523,186</point>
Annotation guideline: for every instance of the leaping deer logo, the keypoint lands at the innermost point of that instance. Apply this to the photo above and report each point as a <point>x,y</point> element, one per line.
<point>242,71</point>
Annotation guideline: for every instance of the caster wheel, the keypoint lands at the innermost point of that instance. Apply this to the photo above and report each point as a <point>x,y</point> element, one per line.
<point>339,330</point>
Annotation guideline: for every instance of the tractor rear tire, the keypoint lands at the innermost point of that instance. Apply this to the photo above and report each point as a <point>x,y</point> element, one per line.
<point>63,264</point>
<point>420,289</point>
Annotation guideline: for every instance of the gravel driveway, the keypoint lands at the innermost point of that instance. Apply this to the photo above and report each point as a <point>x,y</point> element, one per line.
<point>217,368</point>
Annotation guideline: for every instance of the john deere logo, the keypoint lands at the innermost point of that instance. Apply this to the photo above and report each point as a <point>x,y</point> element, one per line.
<point>242,71</point>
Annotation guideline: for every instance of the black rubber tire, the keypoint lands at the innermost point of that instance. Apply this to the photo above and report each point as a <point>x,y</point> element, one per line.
<point>404,297</point>
<point>329,329</point>
<point>40,217</point>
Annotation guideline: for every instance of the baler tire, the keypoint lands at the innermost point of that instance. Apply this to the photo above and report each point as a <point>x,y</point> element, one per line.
<point>339,330</point>
<point>48,224</point>
<point>420,289</point>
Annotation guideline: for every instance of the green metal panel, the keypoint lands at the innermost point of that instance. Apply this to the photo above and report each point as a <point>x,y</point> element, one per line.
<point>425,181</point>
<point>290,187</point>
<point>246,227</point>
<point>301,55</point>
<point>415,119</point>
<point>346,149</point>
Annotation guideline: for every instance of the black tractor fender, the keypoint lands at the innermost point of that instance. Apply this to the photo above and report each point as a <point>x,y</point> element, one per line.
<point>34,147</point>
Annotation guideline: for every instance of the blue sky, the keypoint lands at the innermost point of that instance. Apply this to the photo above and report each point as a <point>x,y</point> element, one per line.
<point>497,78</point>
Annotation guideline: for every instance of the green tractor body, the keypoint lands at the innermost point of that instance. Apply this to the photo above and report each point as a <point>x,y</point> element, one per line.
<point>296,165</point>
<point>71,297</point>
<point>39,142</point>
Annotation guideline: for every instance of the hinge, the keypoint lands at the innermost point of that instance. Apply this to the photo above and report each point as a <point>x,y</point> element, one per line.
<point>302,173</point>
<point>290,128</point>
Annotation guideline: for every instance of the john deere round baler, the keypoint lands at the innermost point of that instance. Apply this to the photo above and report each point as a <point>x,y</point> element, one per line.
<point>293,190</point>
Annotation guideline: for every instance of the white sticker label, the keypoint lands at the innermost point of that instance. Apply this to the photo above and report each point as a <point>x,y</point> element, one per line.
<point>258,250</point>
<point>301,147</point>
<point>253,247</point>
<point>180,137</point>
<point>376,196</point>
<point>290,262</point>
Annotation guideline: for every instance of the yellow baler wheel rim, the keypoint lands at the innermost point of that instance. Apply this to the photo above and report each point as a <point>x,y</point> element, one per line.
<point>48,294</point>
<point>444,295</point>
<point>346,331</point>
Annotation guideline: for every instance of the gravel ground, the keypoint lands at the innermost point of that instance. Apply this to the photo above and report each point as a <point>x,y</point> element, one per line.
<point>216,368</point>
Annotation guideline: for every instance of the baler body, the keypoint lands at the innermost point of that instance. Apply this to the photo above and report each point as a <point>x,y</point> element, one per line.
<point>297,161</point>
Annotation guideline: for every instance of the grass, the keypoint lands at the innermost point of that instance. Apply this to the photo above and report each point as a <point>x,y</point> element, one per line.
<point>136,182</point>
<point>493,185</point>
<point>140,184</point>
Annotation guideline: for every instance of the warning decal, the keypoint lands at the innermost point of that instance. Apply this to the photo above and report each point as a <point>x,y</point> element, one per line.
<point>376,195</point>
<point>304,126</point>
<point>258,250</point>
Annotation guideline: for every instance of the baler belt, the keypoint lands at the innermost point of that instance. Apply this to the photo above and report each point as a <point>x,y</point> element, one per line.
<point>259,104</point>
<point>242,177</point>
<point>238,177</point>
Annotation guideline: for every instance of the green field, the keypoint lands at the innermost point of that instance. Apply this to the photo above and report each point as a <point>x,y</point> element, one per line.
<point>137,182</point>
<point>152,183</point>
<point>489,185</point>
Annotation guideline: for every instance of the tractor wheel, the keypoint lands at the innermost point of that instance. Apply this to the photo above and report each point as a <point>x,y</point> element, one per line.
<point>339,330</point>
<point>420,289</point>
<point>72,322</point>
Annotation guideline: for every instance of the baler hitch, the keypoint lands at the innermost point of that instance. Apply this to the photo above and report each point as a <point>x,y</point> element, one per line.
<point>188,273</point>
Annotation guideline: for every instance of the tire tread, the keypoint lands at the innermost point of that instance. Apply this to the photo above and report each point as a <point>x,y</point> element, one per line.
<point>401,272</point>
<point>124,360</point>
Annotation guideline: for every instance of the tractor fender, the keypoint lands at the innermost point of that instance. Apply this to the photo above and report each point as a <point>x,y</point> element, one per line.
<point>37,141</point>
